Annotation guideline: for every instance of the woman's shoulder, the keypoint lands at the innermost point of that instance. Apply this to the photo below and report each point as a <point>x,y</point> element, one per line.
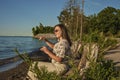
<point>64,42</point>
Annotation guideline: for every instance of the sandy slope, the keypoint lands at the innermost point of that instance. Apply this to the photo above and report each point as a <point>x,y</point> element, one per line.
<point>115,56</point>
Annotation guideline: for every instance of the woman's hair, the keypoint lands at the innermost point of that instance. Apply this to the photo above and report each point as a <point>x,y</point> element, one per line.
<point>64,33</point>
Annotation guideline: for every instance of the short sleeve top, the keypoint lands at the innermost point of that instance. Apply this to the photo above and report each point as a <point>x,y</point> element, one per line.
<point>61,49</point>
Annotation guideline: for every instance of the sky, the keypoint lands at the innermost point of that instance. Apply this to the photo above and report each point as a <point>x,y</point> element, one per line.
<point>18,17</point>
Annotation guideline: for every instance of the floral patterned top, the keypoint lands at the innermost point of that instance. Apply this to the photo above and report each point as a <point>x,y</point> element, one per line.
<point>61,49</point>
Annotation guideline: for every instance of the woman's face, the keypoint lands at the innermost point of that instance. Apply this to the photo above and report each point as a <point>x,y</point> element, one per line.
<point>58,32</point>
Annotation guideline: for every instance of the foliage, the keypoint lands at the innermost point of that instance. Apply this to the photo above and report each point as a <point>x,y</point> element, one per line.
<point>103,70</point>
<point>42,29</point>
<point>109,16</point>
<point>104,42</point>
<point>24,56</point>
<point>43,74</point>
<point>71,17</point>
<point>106,21</point>
<point>96,37</point>
<point>74,75</point>
<point>74,72</point>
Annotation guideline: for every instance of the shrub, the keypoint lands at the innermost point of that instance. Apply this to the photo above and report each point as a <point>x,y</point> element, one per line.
<point>103,70</point>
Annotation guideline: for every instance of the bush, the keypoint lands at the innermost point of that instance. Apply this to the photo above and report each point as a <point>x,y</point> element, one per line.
<point>103,70</point>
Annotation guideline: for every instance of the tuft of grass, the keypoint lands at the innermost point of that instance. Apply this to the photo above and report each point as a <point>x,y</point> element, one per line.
<point>42,73</point>
<point>24,57</point>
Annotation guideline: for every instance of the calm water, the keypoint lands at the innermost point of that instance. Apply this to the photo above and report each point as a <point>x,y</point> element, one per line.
<point>23,44</point>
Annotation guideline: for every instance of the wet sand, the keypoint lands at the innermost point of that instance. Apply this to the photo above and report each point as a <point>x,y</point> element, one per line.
<point>17,73</point>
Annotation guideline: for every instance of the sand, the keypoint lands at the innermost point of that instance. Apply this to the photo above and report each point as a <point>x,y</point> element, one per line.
<point>17,73</point>
<point>114,55</point>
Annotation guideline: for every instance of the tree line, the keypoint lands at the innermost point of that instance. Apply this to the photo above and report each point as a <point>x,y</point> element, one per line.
<point>106,21</point>
<point>42,29</point>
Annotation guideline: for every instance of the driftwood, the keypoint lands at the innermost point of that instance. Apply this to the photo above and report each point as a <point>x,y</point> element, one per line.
<point>75,48</point>
<point>90,53</point>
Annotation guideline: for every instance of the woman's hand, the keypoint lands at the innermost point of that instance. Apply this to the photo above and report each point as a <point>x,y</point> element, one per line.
<point>50,54</point>
<point>42,38</point>
<point>44,49</point>
<point>51,45</point>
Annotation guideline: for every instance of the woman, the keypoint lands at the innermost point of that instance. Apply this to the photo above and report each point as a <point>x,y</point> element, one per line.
<point>60,50</point>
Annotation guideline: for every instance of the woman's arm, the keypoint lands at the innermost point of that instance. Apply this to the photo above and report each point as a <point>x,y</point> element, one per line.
<point>51,55</point>
<point>51,45</point>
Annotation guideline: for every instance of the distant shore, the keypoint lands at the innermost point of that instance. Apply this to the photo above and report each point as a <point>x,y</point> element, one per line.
<point>47,35</point>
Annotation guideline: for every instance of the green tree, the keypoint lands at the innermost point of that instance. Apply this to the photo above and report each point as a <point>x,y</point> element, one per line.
<point>108,20</point>
<point>91,23</point>
<point>37,30</point>
<point>70,16</point>
<point>33,31</point>
<point>41,28</point>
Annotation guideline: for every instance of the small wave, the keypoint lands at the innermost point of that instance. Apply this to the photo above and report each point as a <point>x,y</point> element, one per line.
<point>9,66</point>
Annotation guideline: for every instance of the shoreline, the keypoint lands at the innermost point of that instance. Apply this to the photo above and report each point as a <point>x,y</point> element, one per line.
<point>10,65</point>
<point>34,55</point>
<point>9,60</point>
<point>17,73</point>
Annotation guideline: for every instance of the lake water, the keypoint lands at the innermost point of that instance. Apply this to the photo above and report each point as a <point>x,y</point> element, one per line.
<point>23,44</point>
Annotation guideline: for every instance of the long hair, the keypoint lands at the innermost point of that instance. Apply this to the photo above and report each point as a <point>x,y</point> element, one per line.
<point>64,33</point>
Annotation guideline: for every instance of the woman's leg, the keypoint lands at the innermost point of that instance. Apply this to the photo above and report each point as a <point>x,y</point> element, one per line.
<point>49,66</point>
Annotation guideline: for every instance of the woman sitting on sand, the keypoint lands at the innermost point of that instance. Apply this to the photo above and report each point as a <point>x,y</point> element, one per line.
<point>60,50</point>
